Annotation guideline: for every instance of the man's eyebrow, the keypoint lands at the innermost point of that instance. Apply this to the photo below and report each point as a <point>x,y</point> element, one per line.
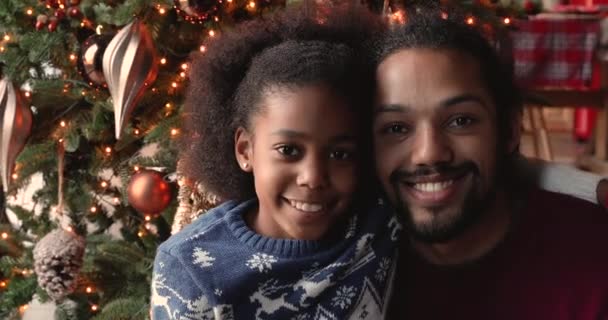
<point>392,107</point>
<point>395,107</point>
<point>464,98</point>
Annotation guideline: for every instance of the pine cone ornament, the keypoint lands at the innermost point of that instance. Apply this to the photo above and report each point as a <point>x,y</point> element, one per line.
<point>58,257</point>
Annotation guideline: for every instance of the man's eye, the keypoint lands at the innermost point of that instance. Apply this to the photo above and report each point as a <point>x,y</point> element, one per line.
<point>341,155</point>
<point>396,128</point>
<point>461,121</point>
<point>290,151</point>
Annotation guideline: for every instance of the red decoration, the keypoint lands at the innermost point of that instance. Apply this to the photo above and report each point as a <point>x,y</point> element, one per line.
<point>196,10</point>
<point>74,12</point>
<point>59,14</point>
<point>53,25</point>
<point>40,25</point>
<point>41,21</point>
<point>74,2</point>
<point>584,121</point>
<point>149,193</point>
<point>90,59</point>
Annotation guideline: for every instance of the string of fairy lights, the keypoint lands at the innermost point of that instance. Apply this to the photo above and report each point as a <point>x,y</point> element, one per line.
<point>93,92</point>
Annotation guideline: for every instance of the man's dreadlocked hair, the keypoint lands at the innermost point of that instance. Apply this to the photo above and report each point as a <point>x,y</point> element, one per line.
<point>313,45</point>
<point>427,29</point>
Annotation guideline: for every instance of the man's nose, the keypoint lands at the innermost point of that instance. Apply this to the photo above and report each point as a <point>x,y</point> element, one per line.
<point>430,147</point>
<point>313,172</point>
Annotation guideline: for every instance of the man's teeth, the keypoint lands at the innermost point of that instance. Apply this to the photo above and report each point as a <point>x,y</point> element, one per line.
<point>306,206</point>
<point>433,186</point>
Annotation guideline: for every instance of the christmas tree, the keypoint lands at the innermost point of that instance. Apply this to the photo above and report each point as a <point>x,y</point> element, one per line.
<point>90,98</point>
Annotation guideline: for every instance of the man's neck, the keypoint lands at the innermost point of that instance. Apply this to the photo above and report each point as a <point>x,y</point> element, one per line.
<point>476,241</point>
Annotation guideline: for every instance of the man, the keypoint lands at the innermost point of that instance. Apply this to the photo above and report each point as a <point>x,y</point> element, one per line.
<point>481,244</point>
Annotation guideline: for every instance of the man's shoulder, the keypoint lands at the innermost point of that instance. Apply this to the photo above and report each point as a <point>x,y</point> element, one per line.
<point>571,226</point>
<point>560,203</point>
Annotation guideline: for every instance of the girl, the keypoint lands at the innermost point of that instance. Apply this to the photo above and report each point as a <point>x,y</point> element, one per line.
<point>288,97</point>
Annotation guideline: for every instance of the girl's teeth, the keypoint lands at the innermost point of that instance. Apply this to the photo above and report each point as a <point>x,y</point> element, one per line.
<point>433,186</point>
<point>306,206</point>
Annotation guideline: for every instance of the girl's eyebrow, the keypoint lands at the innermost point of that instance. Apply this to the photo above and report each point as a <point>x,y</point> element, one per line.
<point>301,135</point>
<point>289,133</point>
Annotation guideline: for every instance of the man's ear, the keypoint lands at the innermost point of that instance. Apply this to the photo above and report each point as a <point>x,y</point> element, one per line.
<point>516,131</point>
<point>243,144</point>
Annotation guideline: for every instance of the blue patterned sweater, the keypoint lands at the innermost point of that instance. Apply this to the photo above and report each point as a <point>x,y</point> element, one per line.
<point>218,268</point>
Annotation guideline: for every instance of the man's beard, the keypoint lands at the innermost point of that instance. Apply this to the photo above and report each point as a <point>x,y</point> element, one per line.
<point>476,203</point>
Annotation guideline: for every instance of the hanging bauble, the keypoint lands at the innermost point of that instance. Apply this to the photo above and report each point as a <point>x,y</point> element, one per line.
<point>41,21</point>
<point>16,127</point>
<point>90,59</point>
<point>53,23</point>
<point>74,12</point>
<point>148,192</point>
<point>59,14</point>
<point>196,10</point>
<point>58,258</point>
<point>129,66</point>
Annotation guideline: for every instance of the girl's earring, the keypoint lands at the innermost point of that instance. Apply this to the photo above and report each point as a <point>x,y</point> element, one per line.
<point>245,165</point>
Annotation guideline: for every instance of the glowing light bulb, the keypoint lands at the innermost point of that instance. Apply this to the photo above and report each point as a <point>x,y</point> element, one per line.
<point>4,235</point>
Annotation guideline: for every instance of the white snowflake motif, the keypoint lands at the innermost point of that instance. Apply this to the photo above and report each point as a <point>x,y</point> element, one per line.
<point>302,316</point>
<point>202,258</point>
<point>344,297</point>
<point>262,262</point>
<point>382,271</point>
<point>218,292</point>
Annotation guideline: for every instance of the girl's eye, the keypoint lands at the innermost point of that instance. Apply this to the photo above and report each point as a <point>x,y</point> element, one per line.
<point>341,155</point>
<point>460,122</point>
<point>290,151</point>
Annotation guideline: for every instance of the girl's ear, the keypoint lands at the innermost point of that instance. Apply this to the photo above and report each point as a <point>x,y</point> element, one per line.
<point>243,144</point>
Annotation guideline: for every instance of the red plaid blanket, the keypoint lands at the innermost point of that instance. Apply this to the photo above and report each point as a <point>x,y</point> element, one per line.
<point>556,52</point>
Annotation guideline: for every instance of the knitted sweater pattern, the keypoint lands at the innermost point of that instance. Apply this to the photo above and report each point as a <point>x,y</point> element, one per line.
<point>218,268</point>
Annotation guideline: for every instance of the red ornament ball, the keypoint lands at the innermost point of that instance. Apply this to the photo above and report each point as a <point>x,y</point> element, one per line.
<point>90,59</point>
<point>196,10</point>
<point>52,26</point>
<point>59,14</point>
<point>148,192</point>
<point>74,12</point>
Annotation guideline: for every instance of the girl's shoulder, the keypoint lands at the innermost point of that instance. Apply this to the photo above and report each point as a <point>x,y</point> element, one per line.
<point>209,226</point>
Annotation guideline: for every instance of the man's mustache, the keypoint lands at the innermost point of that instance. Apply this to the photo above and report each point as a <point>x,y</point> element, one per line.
<point>439,169</point>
